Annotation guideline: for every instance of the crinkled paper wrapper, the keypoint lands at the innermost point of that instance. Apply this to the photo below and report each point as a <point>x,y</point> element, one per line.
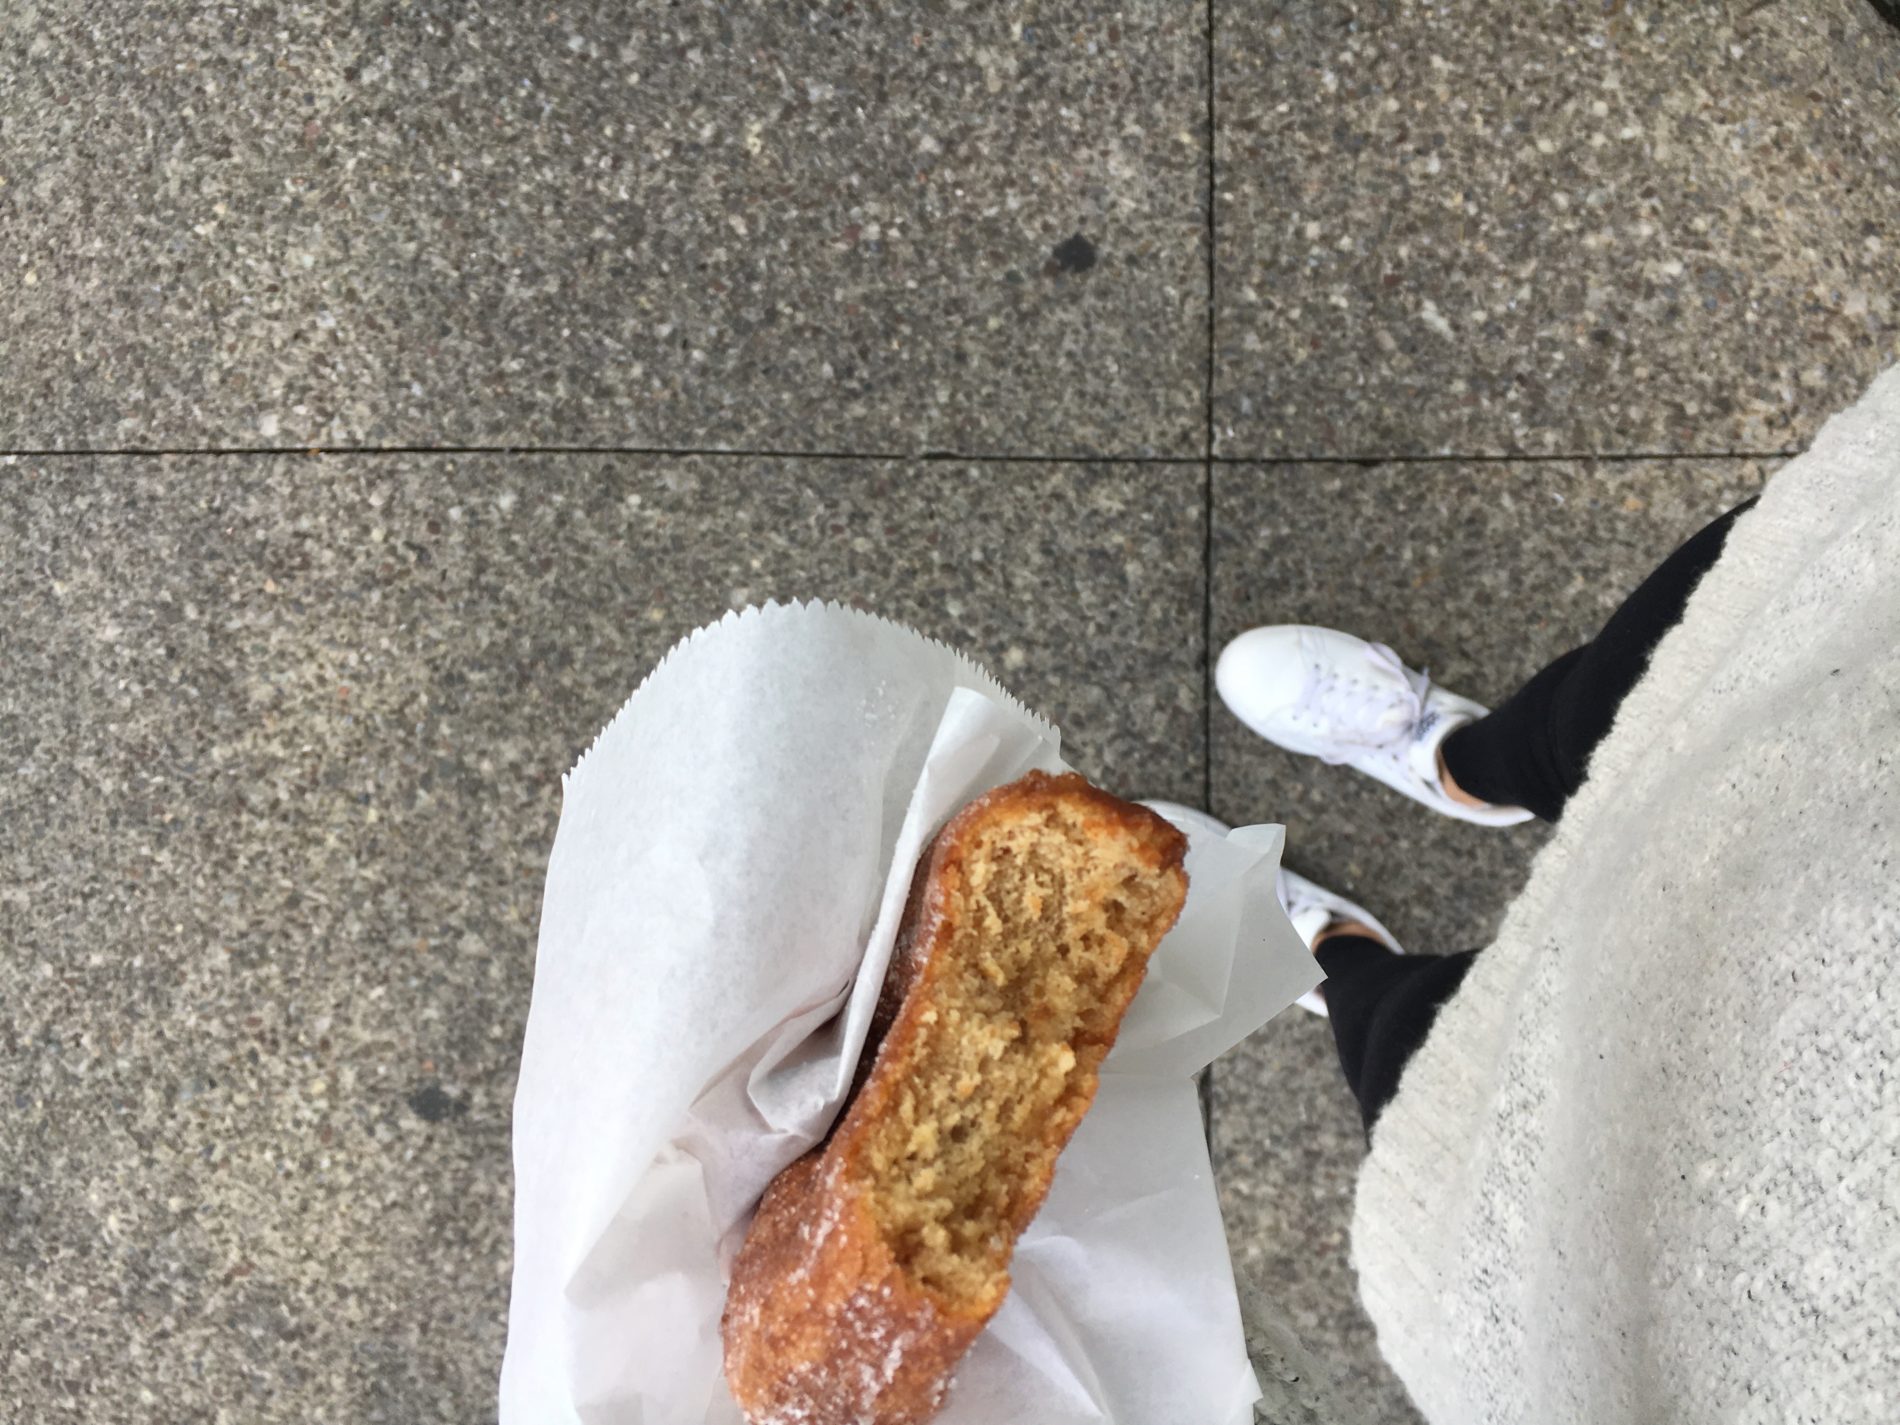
<point>732,862</point>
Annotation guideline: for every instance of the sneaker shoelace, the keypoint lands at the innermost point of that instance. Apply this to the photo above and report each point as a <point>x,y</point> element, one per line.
<point>1372,714</point>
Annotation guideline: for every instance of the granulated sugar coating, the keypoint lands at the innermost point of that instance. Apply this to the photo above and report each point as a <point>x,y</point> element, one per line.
<point>876,1261</point>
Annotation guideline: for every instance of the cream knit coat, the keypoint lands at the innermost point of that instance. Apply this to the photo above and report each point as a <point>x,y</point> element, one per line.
<point>1646,1167</point>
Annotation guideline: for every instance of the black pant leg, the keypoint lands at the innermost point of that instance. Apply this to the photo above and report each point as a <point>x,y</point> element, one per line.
<point>1382,1005</point>
<point>1533,750</point>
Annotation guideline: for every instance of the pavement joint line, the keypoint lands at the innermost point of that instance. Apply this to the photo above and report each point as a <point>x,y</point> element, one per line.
<point>1205,1089</point>
<point>1208,240</point>
<point>1207,447</point>
<point>1603,457</point>
<point>648,451</point>
<point>927,457</point>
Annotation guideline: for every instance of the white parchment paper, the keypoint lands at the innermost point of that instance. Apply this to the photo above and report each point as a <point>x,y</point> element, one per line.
<point>725,887</point>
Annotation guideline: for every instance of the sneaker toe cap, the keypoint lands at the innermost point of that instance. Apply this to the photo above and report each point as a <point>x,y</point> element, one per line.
<point>1262,673</point>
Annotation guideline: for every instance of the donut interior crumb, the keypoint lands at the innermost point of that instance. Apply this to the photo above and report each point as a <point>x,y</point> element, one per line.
<point>1054,913</point>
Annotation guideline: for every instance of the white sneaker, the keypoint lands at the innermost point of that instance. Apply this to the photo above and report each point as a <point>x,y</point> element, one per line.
<point>1311,908</point>
<point>1346,701</point>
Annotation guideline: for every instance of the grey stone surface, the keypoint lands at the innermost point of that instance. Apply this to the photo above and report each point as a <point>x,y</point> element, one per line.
<point>603,224</point>
<point>280,738</point>
<point>281,742</point>
<point>1474,228</point>
<point>1483,573</point>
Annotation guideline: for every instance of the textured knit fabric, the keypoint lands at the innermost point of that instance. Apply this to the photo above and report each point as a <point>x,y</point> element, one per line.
<point>1646,1166</point>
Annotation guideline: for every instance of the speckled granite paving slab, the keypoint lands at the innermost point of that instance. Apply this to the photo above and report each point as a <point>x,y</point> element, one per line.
<point>1477,228</point>
<point>865,228</point>
<point>282,743</point>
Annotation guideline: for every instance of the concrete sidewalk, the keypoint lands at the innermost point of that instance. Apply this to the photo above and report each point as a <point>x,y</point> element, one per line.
<point>608,319</point>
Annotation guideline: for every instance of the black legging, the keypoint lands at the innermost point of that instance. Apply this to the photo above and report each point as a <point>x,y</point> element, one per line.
<point>1532,751</point>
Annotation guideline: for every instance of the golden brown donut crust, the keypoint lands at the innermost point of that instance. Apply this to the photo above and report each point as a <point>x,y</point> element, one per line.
<point>876,1259</point>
